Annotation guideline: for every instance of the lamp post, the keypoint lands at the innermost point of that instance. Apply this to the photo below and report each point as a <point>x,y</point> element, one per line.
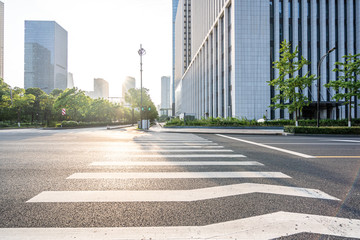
<point>141,52</point>
<point>318,87</point>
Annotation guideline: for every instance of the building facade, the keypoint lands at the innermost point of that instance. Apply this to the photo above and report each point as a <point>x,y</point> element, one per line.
<point>70,80</point>
<point>46,56</point>
<point>175,4</point>
<point>101,88</point>
<point>165,107</point>
<point>235,42</point>
<point>128,84</point>
<point>1,40</point>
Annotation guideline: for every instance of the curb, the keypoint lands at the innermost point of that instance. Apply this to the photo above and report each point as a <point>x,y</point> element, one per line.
<point>118,127</point>
<point>234,133</point>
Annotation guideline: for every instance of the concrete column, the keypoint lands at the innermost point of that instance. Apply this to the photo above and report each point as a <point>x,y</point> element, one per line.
<point>276,44</point>
<point>201,75</point>
<point>215,110</point>
<point>220,81</point>
<point>350,37</point>
<point>341,41</point>
<point>295,25</point>
<point>206,52</point>
<point>332,56</point>
<point>304,40</point>
<point>314,48</point>
<point>286,20</point>
<point>211,77</point>
<point>323,51</point>
<point>226,64</point>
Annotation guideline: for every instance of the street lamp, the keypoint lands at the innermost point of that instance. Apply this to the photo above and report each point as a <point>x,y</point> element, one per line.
<point>141,52</point>
<point>318,87</point>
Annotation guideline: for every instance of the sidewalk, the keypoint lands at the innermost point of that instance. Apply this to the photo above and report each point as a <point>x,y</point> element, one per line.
<point>210,130</point>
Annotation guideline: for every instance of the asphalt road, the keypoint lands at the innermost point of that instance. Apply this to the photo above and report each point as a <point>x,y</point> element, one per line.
<point>105,181</point>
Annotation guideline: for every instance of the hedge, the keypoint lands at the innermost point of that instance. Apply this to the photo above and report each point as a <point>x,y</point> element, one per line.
<point>234,122</point>
<point>323,130</point>
<point>75,124</point>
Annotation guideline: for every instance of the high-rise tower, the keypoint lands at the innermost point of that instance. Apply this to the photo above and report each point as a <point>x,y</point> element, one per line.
<point>165,96</point>
<point>46,55</point>
<point>235,42</point>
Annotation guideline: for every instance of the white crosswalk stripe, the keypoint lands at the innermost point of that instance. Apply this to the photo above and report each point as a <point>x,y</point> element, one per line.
<point>176,175</point>
<point>176,150</point>
<point>176,195</point>
<point>267,226</point>
<point>173,163</point>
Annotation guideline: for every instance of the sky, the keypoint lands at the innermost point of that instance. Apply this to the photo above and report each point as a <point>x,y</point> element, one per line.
<point>104,37</point>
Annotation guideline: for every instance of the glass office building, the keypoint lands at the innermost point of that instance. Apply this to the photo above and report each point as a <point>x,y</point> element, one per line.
<point>235,42</point>
<point>46,56</point>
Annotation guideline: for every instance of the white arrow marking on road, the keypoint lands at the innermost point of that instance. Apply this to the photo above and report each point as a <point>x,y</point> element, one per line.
<point>176,195</point>
<point>176,175</point>
<point>270,147</point>
<point>189,156</point>
<point>198,163</point>
<point>269,226</point>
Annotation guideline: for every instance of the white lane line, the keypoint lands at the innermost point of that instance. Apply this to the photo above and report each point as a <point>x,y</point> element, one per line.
<point>352,141</point>
<point>175,175</point>
<point>170,141</point>
<point>192,163</point>
<point>310,143</point>
<point>174,147</point>
<point>188,156</point>
<point>267,146</point>
<point>171,144</point>
<point>176,195</point>
<point>268,226</point>
<point>176,150</point>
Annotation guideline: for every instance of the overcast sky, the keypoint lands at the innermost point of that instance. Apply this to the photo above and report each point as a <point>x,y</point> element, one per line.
<point>103,39</point>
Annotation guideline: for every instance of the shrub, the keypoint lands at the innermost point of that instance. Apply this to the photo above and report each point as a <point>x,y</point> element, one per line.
<point>235,122</point>
<point>322,130</point>
<point>69,124</point>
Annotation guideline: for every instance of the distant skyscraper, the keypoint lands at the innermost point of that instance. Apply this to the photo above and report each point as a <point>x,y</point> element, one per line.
<point>101,88</point>
<point>1,40</point>
<point>165,96</point>
<point>46,56</point>
<point>70,80</point>
<point>128,83</point>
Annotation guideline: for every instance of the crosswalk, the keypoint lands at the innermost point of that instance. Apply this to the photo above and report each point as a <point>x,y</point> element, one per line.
<point>192,151</point>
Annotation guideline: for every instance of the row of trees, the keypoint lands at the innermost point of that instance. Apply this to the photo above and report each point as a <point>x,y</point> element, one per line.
<point>289,86</point>
<point>35,106</point>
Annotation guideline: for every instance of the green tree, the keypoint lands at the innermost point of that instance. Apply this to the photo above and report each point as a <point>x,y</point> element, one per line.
<point>56,92</point>
<point>47,108</point>
<point>133,97</point>
<point>19,101</point>
<point>4,106</point>
<point>101,110</point>
<point>34,109</point>
<point>346,85</point>
<point>288,85</point>
<point>75,102</point>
